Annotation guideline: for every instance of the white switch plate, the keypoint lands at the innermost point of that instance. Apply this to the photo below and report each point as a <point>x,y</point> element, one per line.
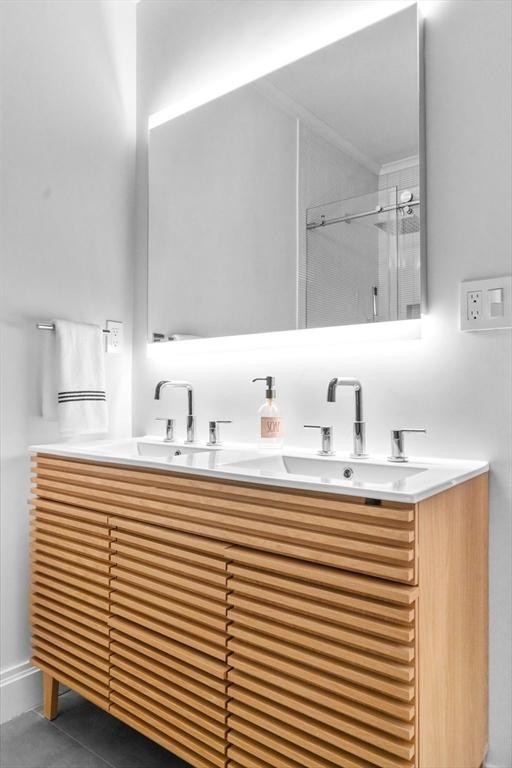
<point>480,305</point>
<point>115,337</point>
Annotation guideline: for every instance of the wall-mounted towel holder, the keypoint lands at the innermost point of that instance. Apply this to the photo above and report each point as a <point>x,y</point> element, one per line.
<point>51,327</point>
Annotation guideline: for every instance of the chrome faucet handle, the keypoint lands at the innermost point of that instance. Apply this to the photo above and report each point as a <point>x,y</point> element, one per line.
<point>397,444</point>
<point>214,432</point>
<point>169,428</point>
<point>327,435</point>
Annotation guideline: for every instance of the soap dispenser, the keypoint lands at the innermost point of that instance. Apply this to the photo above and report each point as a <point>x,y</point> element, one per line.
<point>271,423</point>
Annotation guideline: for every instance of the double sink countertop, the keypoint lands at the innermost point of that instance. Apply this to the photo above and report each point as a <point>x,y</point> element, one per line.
<point>374,477</point>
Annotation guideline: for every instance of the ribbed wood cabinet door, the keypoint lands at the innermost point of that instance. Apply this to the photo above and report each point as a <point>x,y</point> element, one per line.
<point>322,667</point>
<point>69,601</point>
<point>169,639</point>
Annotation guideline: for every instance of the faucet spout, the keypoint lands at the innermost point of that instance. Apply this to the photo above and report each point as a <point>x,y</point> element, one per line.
<point>159,387</point>
<point>359,450</point>
<point>190,403</point>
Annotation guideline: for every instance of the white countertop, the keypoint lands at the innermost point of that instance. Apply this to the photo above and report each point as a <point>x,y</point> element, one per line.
<point>374,477</point>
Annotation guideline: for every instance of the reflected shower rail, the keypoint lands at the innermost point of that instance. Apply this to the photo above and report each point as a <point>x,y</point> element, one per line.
<point>351,217</point>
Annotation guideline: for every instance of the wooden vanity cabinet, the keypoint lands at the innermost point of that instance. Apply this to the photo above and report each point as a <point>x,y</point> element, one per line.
<point>251,627</point>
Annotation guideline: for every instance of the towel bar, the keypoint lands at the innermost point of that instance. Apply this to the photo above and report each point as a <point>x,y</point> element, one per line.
<point>51,327</point>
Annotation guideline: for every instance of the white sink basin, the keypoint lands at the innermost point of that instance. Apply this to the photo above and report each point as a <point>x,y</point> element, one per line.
<point>326,468</point>
<point>151,448</point>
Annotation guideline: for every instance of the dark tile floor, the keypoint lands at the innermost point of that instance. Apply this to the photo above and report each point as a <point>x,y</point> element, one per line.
<point>82,736</point>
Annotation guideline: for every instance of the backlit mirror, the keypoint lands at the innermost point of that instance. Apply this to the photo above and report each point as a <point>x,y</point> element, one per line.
<point>294,202</point>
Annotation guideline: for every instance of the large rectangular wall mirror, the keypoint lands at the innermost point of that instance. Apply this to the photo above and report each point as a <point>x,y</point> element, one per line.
<point>294,202</point>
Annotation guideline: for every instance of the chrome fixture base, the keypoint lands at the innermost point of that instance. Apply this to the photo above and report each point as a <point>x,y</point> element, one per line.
<point>397,444</point>
<point>327,436</point>
<point>214,431</point>
<point>169,429</point>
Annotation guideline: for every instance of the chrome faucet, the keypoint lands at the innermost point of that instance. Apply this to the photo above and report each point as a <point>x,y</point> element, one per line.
<point>190,398</point>
<point>359,451</point>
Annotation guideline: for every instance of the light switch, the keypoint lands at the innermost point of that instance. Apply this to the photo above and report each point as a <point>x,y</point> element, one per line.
<point>486,304</point>
<point>496,300</point>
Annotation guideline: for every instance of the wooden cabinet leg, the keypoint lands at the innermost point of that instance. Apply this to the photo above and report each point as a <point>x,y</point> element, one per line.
<point>50,696</point>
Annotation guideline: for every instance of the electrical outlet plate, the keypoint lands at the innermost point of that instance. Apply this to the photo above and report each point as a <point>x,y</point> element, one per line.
<point>114,339</point>
<point>474,305</point>
<point>486,304</point>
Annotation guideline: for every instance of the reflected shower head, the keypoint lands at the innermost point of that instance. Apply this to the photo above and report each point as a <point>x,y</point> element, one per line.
<point>408,222</point>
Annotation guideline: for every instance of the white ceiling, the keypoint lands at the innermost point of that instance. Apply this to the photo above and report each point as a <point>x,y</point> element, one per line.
<point>364,88</point>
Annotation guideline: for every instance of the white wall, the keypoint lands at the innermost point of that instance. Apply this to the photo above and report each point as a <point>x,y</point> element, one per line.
<point>222,207</point>
<point>67,159</point>
<point>457,385</point>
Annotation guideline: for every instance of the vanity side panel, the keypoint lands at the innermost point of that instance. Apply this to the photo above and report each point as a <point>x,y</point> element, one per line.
<point>453,627</point>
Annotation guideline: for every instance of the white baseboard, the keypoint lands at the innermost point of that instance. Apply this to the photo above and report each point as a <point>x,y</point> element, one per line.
<point>20,689</point>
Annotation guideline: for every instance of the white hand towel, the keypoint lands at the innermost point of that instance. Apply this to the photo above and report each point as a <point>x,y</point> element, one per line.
<point>49,375</point>
<point>79,382</point>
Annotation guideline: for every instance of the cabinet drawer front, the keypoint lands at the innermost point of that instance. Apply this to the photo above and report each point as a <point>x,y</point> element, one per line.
<point>169,692</point>
<point>257,751</point>
<point>199,666</point>
<point>180,683</point>
<point>157,585</point>
<point>156,729</point>
<point>169,625</point>
<point>374,540</point>
<point>330,677</point>
<point>61,582</point>
<point>69,605</point>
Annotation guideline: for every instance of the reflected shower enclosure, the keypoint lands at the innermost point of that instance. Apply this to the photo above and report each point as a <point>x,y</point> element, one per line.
<point>361,261</point>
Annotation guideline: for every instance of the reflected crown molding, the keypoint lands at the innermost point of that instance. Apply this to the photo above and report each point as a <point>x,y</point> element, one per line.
<point>292,107</point>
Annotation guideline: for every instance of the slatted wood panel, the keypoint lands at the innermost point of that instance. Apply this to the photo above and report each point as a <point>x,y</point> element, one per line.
<point>328,529</point>
<point>169,638</point>
<point>69,607</point>
<point>322,666</point>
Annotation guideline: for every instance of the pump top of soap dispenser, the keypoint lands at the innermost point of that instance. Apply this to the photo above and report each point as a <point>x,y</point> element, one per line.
<point>271,386</point>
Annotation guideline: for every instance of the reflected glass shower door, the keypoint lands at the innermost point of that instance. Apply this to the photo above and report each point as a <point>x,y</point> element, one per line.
<point>409,268</point>
<point>350,270</point>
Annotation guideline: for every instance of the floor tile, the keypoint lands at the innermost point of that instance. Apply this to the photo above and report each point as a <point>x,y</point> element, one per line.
<point>115,742</point>
<point>29,741</point>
